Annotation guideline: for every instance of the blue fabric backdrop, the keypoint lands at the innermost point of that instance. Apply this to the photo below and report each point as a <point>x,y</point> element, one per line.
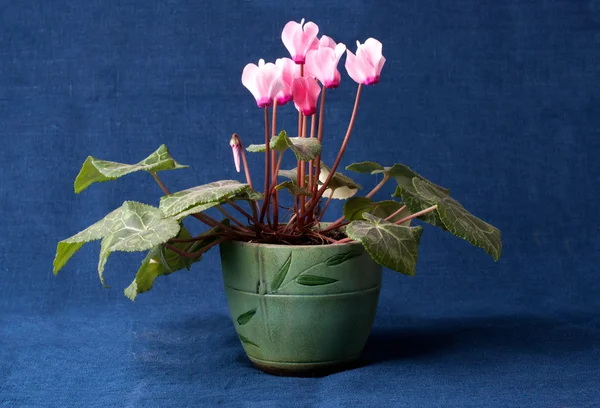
<point>497,100</point>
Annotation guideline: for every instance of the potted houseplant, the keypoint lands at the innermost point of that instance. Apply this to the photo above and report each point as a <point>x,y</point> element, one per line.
<point>302,293</point>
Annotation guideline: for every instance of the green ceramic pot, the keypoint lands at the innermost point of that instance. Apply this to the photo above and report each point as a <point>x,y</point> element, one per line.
<point>301,310</point>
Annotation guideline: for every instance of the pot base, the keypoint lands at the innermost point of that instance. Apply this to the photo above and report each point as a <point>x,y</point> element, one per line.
<point>316,369</point>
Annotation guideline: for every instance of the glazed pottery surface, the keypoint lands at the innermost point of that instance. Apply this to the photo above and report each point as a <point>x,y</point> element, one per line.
<point>301,310</point>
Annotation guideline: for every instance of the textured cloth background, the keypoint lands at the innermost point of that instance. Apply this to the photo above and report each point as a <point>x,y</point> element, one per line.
<point>497,100</point>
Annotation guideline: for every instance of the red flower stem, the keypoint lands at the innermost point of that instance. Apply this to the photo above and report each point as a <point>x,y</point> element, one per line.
<point>339,221</point>
<point>198,238</point>
<point>378,186</point>
<point>274,193</point>
<point>303,174</point>
<point>242,211</point>
<point>325,208</point>
<point>320,139</point>
<point>389,217</point>
<point>201,217</point>
<point>326,238</point>
<point>338,159</point>
<point>312,162</point>
<point>232,218</point>
<point>417,214</point>
<point>267,167</point>
<point>344,241</point>
<point>193,254</point>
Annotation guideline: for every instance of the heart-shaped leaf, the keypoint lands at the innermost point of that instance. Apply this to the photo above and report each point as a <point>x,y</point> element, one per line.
<point>459,221</point>
<point>131,227</point>
<point>211,193</point>
<point>355,207</point>
<point>393,246</point>
<point>162,261</point>
<point>98,171</point>
<point>305,148</point>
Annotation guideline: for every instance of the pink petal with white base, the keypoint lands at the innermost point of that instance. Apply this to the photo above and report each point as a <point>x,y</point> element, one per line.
<point>365,67</point>
<point>298,38</point>
<point>306,93</point>
<point>263,81</point>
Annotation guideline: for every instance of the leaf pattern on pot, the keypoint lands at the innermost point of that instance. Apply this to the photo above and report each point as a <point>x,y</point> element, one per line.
<point>245,340</point>
<point>280,277</point>
<point>314,280</point>
<point>245,317</point>
<point>341,258</point>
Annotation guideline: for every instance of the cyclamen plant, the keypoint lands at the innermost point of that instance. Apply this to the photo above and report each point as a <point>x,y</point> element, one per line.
<point>382,227</point>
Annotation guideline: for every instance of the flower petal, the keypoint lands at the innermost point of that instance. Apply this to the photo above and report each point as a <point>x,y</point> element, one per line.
<point>355,67</point>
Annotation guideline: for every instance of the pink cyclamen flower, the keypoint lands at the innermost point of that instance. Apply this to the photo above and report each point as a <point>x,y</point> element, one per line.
<point>289,71</point>
<point>235,148</point>
<point>264,81</point>
<point>323,61</point>
<point>365,67</point>
<point>306,92</point>
<point>298,38</point>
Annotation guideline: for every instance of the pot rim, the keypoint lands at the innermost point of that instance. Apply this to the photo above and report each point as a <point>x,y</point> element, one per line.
<point>263,245</point>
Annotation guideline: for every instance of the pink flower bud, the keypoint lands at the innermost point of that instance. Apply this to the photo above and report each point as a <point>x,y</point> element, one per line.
<point>323,62</point>
<point>306,92</point>
<point>298,38</point>
<point>263,81</point>
<point>365,67</point>
<point>235,148</point>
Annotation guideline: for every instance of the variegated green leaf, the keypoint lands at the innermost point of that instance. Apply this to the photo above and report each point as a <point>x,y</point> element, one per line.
<point>131,227</point>
<point>211,193</point>
<point>393,246</point>
<point>98,171</point>
<point>305,148</point>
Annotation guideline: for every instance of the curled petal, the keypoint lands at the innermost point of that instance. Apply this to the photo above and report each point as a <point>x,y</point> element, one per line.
<point>365,67</point>
<point>299,38</point>
<point>263,81</point>
<point>306,93</point>
<point>355,68</point>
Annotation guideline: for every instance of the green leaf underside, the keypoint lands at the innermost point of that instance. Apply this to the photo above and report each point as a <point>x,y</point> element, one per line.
<point>314,280</point>
<point>162,261</point>
<point>401,172</point>
<point>341,258</point>
<point>290,174</point>
<point>158,262</point>
<point>340,187</point>
<point>131,227</point>
<point>416,203</point>
<point>393,246</point>
<point>98,171</point>
<point>367,167</point>
<point>305,148</point>
<point>293,188</point>
<point>384,209</point>
<point>211,193</point>
<point>245,340</point>
<point>245,317</point>
<point>281,274</point>
<point>355,207</point>
<point>459,221</point>
<point>248,195</point>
